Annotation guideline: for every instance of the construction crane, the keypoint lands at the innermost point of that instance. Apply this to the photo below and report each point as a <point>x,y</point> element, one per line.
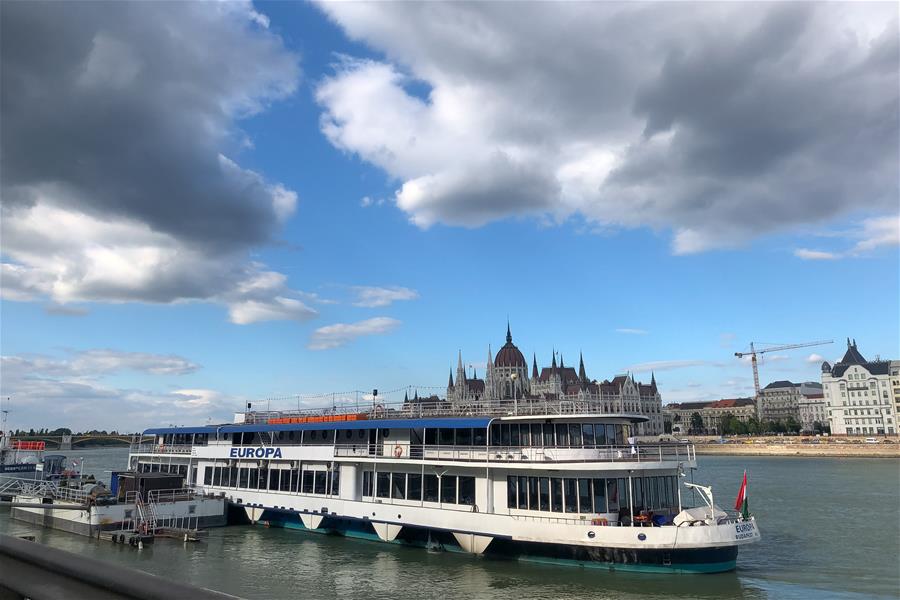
<point>753,352</point>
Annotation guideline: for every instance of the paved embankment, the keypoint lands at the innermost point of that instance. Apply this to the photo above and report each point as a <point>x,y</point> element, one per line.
<point>800,449</point>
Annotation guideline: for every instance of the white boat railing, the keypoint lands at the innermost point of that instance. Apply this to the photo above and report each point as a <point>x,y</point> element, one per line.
<point>442,408</point>
<point>640,453</point>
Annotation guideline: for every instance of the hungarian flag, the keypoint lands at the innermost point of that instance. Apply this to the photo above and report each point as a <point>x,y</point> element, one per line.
<point>741,502</point>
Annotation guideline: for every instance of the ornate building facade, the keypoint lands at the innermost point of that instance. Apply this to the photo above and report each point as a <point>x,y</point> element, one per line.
<point>507,378</point>
<point>861,396</point>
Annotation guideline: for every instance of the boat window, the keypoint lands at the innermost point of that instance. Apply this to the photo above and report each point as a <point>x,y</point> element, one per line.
<point>367,483</point>
<point>504,435</point>
<point>431,437</point>
<point>523,493</point>
<point>448,489</point>
<point>556,504</point>
<point>348,434</point>
<point>311,436</point>
<point>584,496</point>
<point>611,435</point>
<point>545,493</point>
<point>598,487</point>
<point>479,436</point>
<point>398,486</point>
<point>383,485</point>
<point>548,435</point>
<point>207,476</point>
<point>385,433</point>
<point>612,495</point>
<point>587,432</point>
<point>307,483</point>
<point>464,437</point>
<point>495,434</point>
<point>431,488</point>
<point>620,435</point>
<point>335,482</point>
<point>242,479</point>
<point>217,475</point>
<point>466,490</point>
<point>295,481</point>
<point>600,434</point>
<point>273,479</point>
<point>524,435</point>
<point>511,483</point>
<point>536,434</point>
<point>570,492</point>
<point>447,437</point>
<point>233,477</point>
<point>562,434</point>
<point>253,480</point>
<point>321,480</point>
<point>623,493</point>
<point>533,494</point>
<point>281,435</point>
<point>514,439</point>
<point>574,434</point>
<point>413,486</point>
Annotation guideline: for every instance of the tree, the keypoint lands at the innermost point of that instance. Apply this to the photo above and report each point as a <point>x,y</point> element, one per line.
<point>791,425</point>
<point>696,423</point>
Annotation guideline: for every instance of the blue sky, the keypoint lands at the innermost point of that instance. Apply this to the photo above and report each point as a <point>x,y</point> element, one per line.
<point>406,241</point>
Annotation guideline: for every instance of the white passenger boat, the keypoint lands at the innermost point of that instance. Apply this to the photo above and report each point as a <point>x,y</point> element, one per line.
<point>546,481</point>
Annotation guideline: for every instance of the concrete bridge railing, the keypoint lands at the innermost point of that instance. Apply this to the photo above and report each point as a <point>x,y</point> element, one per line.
<point>39,572</point>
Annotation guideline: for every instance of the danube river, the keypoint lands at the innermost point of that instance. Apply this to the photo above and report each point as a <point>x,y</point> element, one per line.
<point>830,526</point>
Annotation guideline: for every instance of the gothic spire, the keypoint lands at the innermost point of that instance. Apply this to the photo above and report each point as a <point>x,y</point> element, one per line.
<point>553,364</point>
<point>490,362</point>
<point>534,371</point>
<point>451,379</point>
<point>405,397</point>
<point>581,374</point>
<point>459,361</point>
<point>508,333</point>
<point>561,364</point>
<point>474,373</point>
<point>652,379</point>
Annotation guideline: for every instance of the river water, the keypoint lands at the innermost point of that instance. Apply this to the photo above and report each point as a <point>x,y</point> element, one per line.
<point>830,527</point>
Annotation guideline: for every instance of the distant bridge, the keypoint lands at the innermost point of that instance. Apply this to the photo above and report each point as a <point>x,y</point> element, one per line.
<point>69,442</point>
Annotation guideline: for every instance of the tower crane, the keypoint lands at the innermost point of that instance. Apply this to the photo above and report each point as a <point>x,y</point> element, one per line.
<point>753,352</point>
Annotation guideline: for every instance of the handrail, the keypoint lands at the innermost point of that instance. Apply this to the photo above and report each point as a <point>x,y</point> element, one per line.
<point>413,410</point>
<point>522,454</point>
<point>43,572</point>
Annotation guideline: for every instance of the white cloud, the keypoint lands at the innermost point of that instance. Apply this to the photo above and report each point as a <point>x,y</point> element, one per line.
<point>641,116</point>
<point>172,219</point>
<point>878,232</point>
<point>631,331</point>
<point>806,254</point>
<point>340,334</point>
<point>668,365</point>
<point>370,296</point>
<point>726,340</point>
<point>72,392</point>
<point>870,235</point>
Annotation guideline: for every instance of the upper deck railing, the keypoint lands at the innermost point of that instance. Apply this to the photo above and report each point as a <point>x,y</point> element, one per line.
<point>418,410</point>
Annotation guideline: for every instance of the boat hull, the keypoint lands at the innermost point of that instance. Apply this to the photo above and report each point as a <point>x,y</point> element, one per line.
<point>688,560</point>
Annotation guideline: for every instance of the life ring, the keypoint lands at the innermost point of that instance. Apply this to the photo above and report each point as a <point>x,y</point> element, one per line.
<point>398,451</point>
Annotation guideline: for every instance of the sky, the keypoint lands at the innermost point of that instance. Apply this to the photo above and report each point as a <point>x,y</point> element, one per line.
<point>208,204</point>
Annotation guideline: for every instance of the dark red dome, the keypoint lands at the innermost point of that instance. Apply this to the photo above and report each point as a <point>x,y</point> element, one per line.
<point>509,355</point>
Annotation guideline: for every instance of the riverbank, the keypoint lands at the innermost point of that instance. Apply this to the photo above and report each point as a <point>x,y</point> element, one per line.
<point>835,450</point>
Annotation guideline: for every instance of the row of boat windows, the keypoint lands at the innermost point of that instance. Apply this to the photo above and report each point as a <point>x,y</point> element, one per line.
<point>598,495</point>
<point>158,468</point>
<point>448,489</point>
<point>577,435</point>
<point>303,481</point>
